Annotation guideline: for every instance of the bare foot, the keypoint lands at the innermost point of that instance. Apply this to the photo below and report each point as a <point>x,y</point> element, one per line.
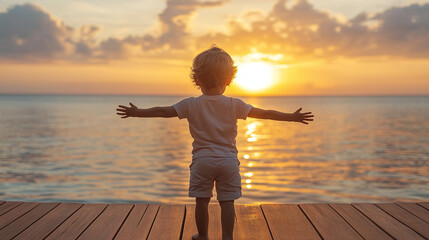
<point>197,237</point>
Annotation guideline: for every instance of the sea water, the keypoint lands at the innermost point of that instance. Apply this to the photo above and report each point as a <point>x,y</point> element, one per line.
<point>75,148</point>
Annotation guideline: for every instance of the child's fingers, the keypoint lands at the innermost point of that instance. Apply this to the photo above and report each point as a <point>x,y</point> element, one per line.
<point>122,106</point>
<point>124,117</point>
<point>306,113</point>
<point>132,105</point>
<point>121,110</point>
<point>121,113</point>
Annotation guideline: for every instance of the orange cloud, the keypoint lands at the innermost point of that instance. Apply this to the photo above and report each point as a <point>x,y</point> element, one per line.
<point>300,32</point>
<point>303,32</point>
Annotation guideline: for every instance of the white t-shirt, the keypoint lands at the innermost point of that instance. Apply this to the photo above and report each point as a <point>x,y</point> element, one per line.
<point>213,123</point>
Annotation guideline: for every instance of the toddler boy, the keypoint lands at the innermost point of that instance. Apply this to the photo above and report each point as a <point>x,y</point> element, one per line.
<point>212,121</point>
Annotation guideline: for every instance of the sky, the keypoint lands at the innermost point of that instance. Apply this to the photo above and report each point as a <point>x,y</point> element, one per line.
<point>302,47</point>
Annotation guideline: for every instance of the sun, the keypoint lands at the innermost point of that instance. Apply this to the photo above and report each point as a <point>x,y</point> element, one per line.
<point>254,76</point>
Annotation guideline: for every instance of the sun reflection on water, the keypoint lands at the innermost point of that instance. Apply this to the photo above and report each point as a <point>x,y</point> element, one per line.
<point>251,127</point>
<point>72,148</point>
<point>252,137</point>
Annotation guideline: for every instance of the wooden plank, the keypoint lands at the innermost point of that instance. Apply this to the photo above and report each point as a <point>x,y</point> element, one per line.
<point>26,220</point>
<point>130,224</point>
<point>328,222</point>
<point>389,224</point>
<point>108,223</point>
<point>424,204</point>
<point>97,221</point>
<point>406,218</point>
<point>138,222</point>
<point>364,226</point>
<point>417,210</point>
<point>189,227</point>
<point>49,222</point>
<point>170,216</point>
<point>251,223</point>
<point>4,208</point>
<point>215,225</point>
<point>287,221</point>
<point>78,222</point>
<point>15,213</point>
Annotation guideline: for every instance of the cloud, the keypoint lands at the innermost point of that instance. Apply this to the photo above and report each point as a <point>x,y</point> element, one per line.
<point>84,46</point>
<point>298,32</point>
<point>175,20</point>
<point>302,31</point>
<point>29,33</point>
<point>26,31</point>
<point>174,33</point>
<point>404,30</point>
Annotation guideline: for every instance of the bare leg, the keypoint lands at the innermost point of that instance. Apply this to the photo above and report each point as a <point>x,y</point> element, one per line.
<point>227,217</point>
<point>202,218</point>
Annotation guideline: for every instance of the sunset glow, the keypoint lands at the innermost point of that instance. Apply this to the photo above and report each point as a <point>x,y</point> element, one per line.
<point>255,76</point>
<point>302,47</point>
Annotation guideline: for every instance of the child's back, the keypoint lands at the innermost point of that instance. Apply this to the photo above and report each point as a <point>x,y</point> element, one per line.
<point>213,123</point>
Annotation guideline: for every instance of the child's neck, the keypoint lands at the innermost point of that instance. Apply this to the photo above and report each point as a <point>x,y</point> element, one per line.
<point>213,91</point>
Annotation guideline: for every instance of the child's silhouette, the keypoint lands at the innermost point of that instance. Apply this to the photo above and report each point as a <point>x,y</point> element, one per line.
<point>212,121</point>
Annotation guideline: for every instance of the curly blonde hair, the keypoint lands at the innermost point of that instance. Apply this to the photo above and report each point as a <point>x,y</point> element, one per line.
<point>213,67</point>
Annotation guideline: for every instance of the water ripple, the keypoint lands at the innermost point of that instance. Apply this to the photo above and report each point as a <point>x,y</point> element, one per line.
<point>74,148</point>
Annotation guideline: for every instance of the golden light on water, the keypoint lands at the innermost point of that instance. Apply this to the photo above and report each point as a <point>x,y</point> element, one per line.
<point>252,137</point>
<point>250,128</point>
<point>255,76</point>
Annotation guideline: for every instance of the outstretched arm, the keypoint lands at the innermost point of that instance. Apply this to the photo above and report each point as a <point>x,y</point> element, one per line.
<point>134,111</point>
<point>297,116</point>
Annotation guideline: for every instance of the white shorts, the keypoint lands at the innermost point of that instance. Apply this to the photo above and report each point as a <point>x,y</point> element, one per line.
<point>222,170</point>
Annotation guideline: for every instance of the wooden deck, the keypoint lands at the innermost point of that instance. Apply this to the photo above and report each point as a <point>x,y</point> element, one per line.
<point>32,220</point>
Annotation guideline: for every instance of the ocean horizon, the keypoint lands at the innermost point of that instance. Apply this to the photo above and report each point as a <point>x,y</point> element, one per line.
<point>74,148</point>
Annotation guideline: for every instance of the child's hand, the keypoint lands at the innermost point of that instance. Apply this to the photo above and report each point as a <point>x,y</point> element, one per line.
<point>127,111</point>
<point>302,117</point>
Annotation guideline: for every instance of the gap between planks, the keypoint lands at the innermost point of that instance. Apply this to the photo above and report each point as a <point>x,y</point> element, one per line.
<point>267,221</point>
